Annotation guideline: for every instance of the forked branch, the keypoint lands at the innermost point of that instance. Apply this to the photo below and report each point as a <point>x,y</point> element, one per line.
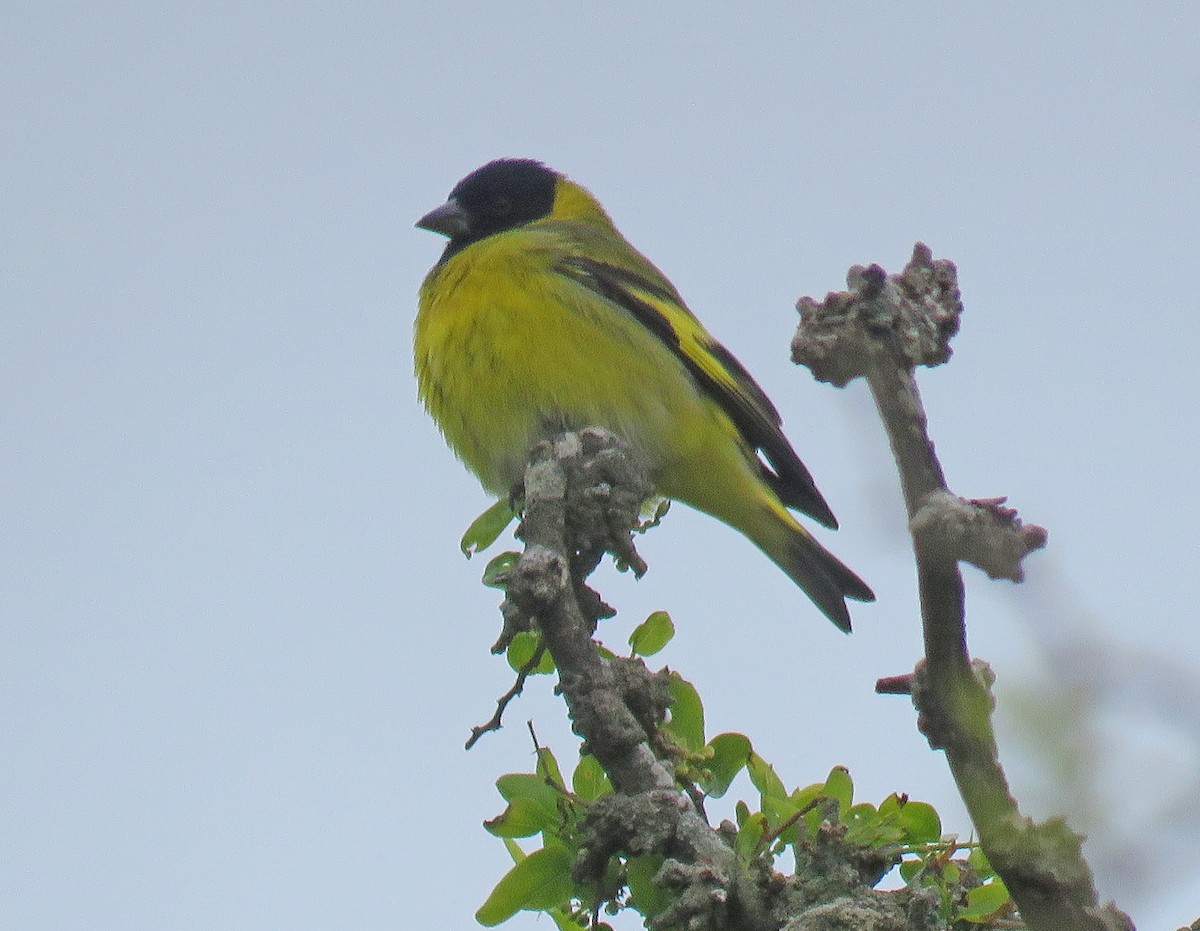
<point>881,329</point>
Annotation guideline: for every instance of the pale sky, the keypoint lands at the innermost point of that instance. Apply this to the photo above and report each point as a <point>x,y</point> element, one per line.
<point>239,648</point>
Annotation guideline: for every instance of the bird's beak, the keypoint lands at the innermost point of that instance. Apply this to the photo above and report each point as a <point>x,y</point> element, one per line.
<point>449,219</point>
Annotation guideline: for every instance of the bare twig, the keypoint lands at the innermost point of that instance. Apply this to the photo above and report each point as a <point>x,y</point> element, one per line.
<point>881,329</point>
<point>496,721</point>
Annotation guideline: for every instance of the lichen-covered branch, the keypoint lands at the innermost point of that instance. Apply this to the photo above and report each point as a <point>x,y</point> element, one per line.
<point>880,329</point>
<point>582,495</point>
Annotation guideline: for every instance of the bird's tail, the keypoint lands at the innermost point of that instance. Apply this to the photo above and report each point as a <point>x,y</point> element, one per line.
<point>821,575</point>
<point>730,491</point>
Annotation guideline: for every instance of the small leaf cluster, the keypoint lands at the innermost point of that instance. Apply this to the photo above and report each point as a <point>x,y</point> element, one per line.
<point>540,803</point>
<point>933,866</point>
<point>898,831</point>
<point>904,831</point>
<point>483,532</point>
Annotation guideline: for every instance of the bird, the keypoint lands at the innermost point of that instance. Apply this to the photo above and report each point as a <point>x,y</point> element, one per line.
<point>540,317</point>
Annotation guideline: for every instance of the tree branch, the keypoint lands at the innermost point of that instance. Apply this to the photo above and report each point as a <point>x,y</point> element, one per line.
<point>582,494</point>
<point>881,329</point>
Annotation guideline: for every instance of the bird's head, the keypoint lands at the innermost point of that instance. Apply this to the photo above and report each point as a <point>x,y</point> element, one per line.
<point>506,194</point>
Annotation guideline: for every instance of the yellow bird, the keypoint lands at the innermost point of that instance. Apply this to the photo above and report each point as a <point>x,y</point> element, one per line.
<point>540,317</point>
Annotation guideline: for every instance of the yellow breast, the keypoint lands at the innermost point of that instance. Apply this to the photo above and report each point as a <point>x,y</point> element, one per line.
<point>508,351</point>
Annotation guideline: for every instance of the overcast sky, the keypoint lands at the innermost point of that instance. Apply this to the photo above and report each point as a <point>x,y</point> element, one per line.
<point>239,648</point>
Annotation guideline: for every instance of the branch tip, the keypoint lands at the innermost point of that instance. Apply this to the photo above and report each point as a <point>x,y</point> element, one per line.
<point>906,319</point>
<point>895,685</point>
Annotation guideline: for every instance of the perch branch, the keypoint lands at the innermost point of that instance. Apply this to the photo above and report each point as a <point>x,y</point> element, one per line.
<point>582,495</point>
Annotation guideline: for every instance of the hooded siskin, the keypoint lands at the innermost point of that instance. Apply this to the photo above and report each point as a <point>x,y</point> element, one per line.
<point>540,317</point>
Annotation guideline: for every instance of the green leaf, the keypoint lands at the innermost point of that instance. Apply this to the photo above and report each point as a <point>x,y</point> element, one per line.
<point>526,785</point>
<point>802,797</point>
<point>920,823</point>
<point>521,650</point>
<point>978,861</point>
<point>686,723</point>
<point>777,811</point>
<point>547,768</point>
<point>762,774</point>
<point>496,573</point>
<point>542,880</point>
<point>522,818</point>
<point>983,902</point>
<point>823,800</point>
<point>589,781</point>
<point>890,805</point>
<point>865,826</point>
<point>652,634</point>
<point>639,876</point>
<point>749,836</point>
<point>539,800</point>
<point>562,919</point>
<point>522,647</point>
<point>653,510</point>
<point>486,528</point>
<point>839,786</point>
<point>730,754</point>
<point>910,868</point>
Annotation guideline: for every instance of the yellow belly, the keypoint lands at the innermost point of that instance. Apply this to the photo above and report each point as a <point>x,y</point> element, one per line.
<point>509,352</point>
